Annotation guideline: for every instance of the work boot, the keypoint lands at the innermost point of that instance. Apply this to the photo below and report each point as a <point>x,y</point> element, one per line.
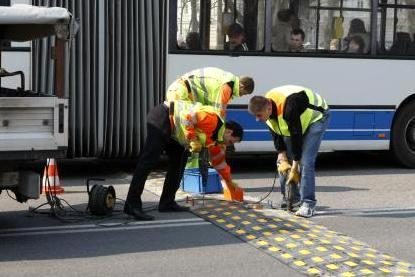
<point>283,203</point>
<point>137,212</point>
<point>173,207</point>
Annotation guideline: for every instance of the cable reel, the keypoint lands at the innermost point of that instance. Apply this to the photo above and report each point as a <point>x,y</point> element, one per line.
<point>101,200</point>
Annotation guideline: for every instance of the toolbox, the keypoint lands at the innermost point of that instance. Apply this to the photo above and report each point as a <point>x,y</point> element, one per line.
<point>192,182</point>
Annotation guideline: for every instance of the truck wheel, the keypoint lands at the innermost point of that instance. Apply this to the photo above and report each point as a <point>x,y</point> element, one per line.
<point>403,136</point>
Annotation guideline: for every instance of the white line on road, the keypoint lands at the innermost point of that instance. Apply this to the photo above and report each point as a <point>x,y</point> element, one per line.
<point>367,212</point>
<point>82,226</point>
<point>105,229</point>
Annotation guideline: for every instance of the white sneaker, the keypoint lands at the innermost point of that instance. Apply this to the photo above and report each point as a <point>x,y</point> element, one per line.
<point>305,211</point>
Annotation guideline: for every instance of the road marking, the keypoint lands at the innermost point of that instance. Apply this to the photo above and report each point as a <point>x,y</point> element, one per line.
<point>366,212</point>
<point>88,228</point>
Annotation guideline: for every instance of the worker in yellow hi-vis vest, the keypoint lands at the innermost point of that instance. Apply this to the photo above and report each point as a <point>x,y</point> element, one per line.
<point>297,118</point>
<point>209,86</point>
<point>177,128</point>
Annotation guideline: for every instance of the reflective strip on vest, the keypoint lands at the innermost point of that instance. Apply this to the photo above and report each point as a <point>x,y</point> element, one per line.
<point>279,96</point>
<point>177,91</point>
<point>206,84</point>
<point>185,115</point>
<point>220,166</point>
<point>220,156</point>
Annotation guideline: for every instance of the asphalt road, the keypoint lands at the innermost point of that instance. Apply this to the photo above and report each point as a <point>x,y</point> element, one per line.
<point>365,196</point>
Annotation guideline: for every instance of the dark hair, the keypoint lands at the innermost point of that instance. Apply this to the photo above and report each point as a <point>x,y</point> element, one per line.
<point>234,30</point>
<point>298,32</point>
<point>357,26</point>
<point>237,130</point>
<point>193,41</point>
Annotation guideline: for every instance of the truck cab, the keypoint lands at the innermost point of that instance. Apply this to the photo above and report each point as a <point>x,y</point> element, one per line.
<point>33,124</point>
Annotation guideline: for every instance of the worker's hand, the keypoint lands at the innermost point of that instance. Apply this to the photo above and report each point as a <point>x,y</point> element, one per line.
<point>283,167</point>
<point>294,175</point>
<point>195,146</point>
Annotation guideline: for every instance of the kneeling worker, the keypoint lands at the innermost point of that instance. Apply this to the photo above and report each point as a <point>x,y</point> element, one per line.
<point>297,119</point>
<point>176,127</point>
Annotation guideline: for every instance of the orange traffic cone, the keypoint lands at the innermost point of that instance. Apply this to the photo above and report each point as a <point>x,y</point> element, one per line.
<point>50,180</point>
<point>233,193</point>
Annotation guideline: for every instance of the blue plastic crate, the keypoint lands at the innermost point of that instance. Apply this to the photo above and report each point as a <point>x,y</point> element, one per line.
<point>192,182</point>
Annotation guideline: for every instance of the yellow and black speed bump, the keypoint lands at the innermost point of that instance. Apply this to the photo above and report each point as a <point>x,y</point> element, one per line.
<point>301,244</point>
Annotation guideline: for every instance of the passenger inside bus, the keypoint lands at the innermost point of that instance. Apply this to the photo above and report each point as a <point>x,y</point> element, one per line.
<point>357,28</point>
<point>287,21</point>
<point>236,36</point>
<point>402,44</point>
<point>193,41</point>
<point>356,45</point>
<point>296,43</point>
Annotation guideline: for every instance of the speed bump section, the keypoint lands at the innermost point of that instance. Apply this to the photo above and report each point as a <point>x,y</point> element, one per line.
<point>301,244</point>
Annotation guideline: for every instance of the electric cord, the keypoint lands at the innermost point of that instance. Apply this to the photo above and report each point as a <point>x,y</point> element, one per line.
<point>73,215</point>
<point>269,192</point>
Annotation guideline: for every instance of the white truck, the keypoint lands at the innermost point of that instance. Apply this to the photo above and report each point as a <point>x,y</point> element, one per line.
<point>33,125</point>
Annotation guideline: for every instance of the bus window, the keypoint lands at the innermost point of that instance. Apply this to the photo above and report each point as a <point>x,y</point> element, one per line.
<point>344,26</point>
<point>327,25</point>
<point>284,21</point>
<point>399,31</point>
<point>230,25</point>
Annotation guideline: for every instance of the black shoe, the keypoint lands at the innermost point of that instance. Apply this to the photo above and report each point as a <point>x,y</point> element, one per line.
<point>137,213</point>
<point>283,203</point>
<point>174,207</point>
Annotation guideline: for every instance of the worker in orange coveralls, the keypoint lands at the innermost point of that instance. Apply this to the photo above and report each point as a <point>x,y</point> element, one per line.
<point>177,128</point>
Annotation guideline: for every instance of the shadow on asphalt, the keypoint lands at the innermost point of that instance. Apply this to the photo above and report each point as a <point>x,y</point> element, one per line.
<point>104,243</point>
<point>327,164</point>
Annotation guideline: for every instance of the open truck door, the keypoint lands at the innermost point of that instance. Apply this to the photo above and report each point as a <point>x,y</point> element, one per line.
<point>33,125</point>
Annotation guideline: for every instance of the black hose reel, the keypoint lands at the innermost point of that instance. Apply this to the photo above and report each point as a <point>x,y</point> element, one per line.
<point>101,200</point>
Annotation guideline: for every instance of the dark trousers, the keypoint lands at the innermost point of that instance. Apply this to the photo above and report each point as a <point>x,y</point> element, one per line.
<point>158,140</point>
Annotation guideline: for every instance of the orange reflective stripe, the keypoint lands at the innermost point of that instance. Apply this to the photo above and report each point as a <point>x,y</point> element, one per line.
<point>225,173</point>
<point>220,166</point>
<point>217,158</point>
<point>171,117</point>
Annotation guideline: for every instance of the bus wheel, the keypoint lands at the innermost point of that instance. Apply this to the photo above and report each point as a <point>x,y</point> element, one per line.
<point>403,136</point>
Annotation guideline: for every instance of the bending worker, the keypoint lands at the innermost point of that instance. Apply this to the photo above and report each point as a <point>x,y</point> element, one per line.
<point>297,119</point>
<point>210,86</point>
<point>176,127</point>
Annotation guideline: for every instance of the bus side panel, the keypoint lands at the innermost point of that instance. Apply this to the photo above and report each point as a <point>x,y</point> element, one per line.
<point>348,130</point>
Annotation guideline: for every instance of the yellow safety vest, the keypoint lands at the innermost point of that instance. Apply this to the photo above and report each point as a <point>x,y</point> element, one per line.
<point>178,91</point>
<point>206,83</point>
<point>279,96</point>
<point>181,119</point>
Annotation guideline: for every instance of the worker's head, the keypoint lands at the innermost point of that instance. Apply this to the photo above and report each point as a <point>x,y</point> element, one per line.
<point>260,107</point>
<point>246,85</point>
<point>233,133</point>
